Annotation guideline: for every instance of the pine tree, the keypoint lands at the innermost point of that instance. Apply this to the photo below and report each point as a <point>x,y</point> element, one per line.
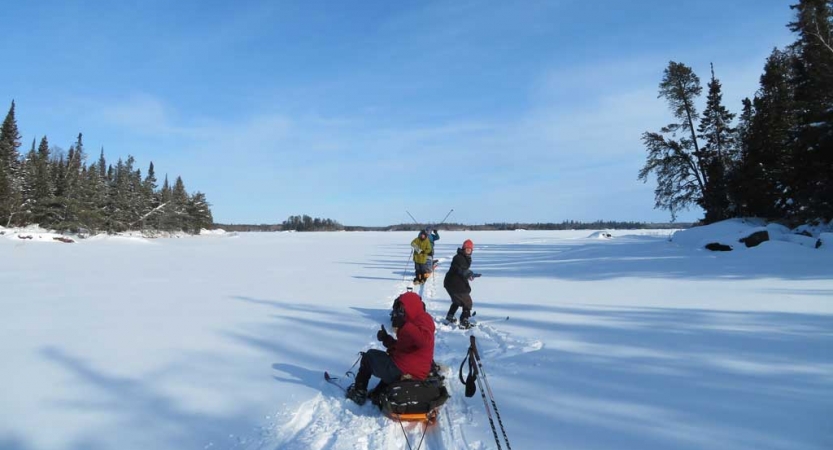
<point>28,173</point>
<point>179,205</point>
<point>10,177</point>
<point>150,199</point>
<point>768,168</point>
<point>199,213</point>
<point>71,197</point>
<point>681,167</point>
<point>715,129</point>
<point>43,194</point>
<point>813,81</point>
<point>736,184</point>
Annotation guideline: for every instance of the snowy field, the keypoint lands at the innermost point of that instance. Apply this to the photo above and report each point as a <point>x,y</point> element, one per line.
<point>220,341</point>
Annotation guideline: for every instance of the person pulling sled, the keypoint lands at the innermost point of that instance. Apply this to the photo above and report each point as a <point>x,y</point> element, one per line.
<point>423,257</point>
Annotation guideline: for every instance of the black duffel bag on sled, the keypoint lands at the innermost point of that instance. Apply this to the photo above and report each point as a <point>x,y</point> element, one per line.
<point>415,400</point>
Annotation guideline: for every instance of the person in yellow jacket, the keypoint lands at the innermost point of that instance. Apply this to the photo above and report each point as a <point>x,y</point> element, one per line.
<point>423,261</point>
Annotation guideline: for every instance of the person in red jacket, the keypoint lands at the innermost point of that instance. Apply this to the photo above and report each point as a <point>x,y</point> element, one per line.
<point>408,356</point>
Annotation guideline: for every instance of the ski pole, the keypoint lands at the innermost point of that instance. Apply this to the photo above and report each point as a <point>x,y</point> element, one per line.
<point>473,371</point>
<point>405,270</point>
<point>491,397</point>
<point>412,217</point>
<point>446,217</point>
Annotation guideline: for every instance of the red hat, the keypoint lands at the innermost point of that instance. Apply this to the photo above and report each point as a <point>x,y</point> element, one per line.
<point>468,244</point>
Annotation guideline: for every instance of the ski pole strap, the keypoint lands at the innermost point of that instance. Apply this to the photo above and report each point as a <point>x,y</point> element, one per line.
<point>471,376</point>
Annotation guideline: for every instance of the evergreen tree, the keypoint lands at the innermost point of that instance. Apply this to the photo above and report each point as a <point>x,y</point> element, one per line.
<point>44,191</point>
<point>179,200</point>
<point>681,167</point>
<point>715,129</point>
<point>150,199</point>
<point>59,190</point>
<point>813,82</point>
<point>28,172</point>
<point>768,172</point>
<point>199,213</point>
<point>736,185</point>
<point>71,198</point>
<point>11,198</point>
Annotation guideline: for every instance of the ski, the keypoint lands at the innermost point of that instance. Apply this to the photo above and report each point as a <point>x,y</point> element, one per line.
<point>334,381</point>
<point>472,322</point>
<point>483,322</point>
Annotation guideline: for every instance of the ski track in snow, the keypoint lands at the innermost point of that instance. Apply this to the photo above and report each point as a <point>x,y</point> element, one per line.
<point>330,422</point>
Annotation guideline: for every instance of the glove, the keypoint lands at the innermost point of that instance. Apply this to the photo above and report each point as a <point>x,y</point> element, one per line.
<point>476,275</point>
<point>468,274</point>
<point>382,334</point>
<point>417,250</point>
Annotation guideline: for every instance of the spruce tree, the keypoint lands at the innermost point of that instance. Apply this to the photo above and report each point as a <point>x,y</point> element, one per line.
<point>10,177</point>
<point>813,82</point>
<point>198,213</point>
<point>768,165</point>
<point>736,184</point>
<point>43,194</point>
<point>715,129</point>
<point>179,201</point>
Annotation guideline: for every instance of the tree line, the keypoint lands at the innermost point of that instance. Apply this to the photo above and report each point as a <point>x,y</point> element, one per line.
<point>776,161</point>
<point>293,223</point>
<point>61,191</point>
<point>306,223</point>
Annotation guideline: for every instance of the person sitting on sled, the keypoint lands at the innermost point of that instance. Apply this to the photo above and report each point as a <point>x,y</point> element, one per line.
<point>423,263</point>
<point>409,356</point>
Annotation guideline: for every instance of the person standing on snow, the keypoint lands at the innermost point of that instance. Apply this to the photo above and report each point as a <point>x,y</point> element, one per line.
<point>433,236</point>
<point>456,283</point>
<point>422,266</point>
<point>409,356</point>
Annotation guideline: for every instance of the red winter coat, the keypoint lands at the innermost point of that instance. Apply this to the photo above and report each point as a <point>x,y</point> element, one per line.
<point>413,350</point>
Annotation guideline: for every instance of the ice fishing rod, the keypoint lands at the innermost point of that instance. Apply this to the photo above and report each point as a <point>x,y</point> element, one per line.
<point>491,397</point>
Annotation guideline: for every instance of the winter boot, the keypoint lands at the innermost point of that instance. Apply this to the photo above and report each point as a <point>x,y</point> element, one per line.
<point>450,319</point>
<point>464,319</point>
<point>357,394</point>
<point>375,395</point>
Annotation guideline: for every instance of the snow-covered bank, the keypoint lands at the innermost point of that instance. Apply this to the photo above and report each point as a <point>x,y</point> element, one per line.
<point>628,342</point>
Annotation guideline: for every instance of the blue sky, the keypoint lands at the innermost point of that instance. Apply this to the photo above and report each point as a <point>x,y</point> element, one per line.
<point>360,110</point>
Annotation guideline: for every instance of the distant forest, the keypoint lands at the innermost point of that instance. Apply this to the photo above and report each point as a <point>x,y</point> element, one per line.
<point>307,223</point>
<point>58,190</point>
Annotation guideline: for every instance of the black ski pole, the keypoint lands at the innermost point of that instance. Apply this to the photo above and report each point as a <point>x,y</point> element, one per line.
<point>446,217</point>
<point>473,371</point>
<point>405,270</point>
<point>491,397</point>
<point>412,217</point>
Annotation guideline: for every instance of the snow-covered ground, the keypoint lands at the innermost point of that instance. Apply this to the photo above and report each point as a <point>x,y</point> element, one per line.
<point>627,341</point>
